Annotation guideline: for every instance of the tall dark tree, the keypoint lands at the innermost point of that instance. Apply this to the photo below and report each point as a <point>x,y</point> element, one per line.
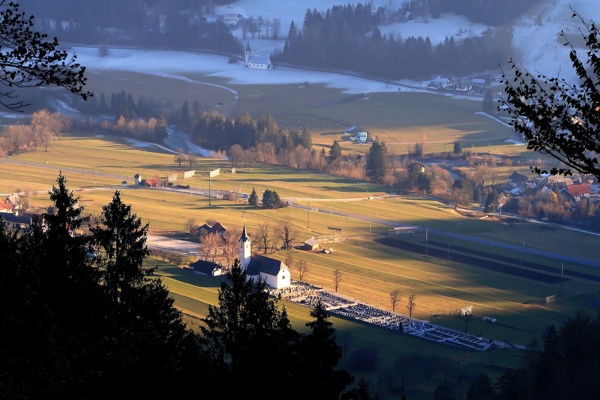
<point>62,335</point>
<point>566,367</point>
<point>28,59</point>
<point>557,117</point>
<point>48,295</point>
<point>253,198</point>
<point>487,104</point>
<point>378,161</point>
<point>320,356</point>
<point>335,153</point>
<point>247,337</point>
<point>122,239</point>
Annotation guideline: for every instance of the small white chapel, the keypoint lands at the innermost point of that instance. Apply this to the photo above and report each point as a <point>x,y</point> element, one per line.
<point>255,61</point>
<point>274,272</point>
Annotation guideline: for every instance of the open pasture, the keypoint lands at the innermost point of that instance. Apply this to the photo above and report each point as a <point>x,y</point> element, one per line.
<point>400,119</point>
<point>371,270</point>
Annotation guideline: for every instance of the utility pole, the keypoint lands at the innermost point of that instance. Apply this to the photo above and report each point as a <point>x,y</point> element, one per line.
<point>426,231</point>
<point>308,214</point>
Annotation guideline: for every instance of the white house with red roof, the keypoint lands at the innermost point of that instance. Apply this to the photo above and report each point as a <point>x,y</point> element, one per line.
<point>578,190</point>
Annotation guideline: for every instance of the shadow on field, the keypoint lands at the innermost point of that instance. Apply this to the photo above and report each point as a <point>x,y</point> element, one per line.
<point>521,269</point>
<point>188,276</point>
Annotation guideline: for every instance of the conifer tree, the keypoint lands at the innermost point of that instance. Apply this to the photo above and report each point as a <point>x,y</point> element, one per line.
<point>335,153</point>
<point>253,198</point>
<point>378,162</point>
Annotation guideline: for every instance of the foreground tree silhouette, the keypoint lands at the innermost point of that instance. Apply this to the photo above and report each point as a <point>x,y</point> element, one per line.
<point>75,326</point>
<point>565,368</point>
<point>248,338</point>
<point>557,117</point>
<point>28,59</point>
<point>63,334</point>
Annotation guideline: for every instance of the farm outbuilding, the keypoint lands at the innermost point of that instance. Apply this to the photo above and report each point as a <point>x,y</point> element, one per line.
<point>311,244</point>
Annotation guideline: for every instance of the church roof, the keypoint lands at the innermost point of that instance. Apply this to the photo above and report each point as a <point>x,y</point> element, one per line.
<point>265,265</point>
<point>260,60</point>
<point>248,47</point>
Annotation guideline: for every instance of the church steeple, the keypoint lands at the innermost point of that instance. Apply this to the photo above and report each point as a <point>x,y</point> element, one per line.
<point>245,249</point>
<point>247,54</point>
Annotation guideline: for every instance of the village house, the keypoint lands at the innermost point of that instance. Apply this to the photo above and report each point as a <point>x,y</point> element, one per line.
<point>578,190</point>
<point>232,19</point>
<point>217,229</point>
<point>14,222</point>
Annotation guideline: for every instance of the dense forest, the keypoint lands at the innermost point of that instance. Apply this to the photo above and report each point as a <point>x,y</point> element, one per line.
<point>348,39</point>
<point>345,37</point>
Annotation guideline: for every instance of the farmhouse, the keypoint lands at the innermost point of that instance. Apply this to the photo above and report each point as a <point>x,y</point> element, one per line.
<point>256,62</point>
<point>311,244</point>
<point>577,190</point>
<point>14,222</point>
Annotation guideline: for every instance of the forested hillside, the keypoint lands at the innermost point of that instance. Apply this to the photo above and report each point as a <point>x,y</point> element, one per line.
<point>345,37</point>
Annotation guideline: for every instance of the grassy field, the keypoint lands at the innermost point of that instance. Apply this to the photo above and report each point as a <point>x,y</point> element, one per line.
<point>95,166</point>
<point>371,269</point>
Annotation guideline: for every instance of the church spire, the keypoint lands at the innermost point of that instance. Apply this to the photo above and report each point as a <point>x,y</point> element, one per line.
<point>247,54</point>
<point>245,249</point>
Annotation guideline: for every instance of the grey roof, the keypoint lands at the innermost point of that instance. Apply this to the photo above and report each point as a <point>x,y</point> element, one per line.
<point>265,265</point>
<point>260,60</point>
<point>204,267</point>
<point>16,219</point>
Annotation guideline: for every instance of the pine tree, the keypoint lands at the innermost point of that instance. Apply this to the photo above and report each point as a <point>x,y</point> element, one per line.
<point>487,105</point>
<point>122,239</point>
<point>378,162</point>
<point>335,153</point>
<point>246,336</point>
<point>253,198</point>
<point>319,357</point>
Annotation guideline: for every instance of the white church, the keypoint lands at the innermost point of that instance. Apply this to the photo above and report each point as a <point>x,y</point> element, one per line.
<point>275,273</point>
<point>255,61</point>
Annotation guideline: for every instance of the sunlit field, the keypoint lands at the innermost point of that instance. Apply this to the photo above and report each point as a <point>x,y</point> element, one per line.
<point>96,166</point>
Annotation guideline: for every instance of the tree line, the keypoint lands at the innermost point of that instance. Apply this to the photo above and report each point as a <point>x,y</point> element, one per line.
<point>42,128</point>
<point>176,25</point>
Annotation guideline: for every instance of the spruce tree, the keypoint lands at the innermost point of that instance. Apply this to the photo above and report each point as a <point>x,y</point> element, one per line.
<point>246,336</point>
<point>487,105</point>
<point>319,357</point>
<point>378,162</point>
<point>335,153</point>
<point>253,198</point>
